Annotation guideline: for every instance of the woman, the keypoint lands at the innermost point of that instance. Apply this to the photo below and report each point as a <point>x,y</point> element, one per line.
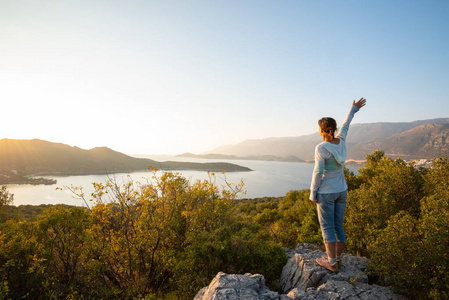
<point>329,189</point>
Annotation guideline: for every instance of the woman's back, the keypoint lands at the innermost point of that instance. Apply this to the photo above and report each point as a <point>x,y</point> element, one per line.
<point>330,156</point>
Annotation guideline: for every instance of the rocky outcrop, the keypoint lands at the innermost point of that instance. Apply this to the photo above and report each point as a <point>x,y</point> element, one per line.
<point>302,278</point>
<point>301,270</point>
<point>247,286</point>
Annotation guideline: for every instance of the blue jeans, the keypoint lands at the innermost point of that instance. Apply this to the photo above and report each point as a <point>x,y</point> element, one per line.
<point>331,208</point>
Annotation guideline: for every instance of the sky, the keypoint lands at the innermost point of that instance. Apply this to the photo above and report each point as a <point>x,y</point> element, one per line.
<point>168,77</point>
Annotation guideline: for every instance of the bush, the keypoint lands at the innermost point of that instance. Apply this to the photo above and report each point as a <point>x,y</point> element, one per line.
<point>396,252</point>
<point>22,269</point>
<point>161,239</point>
<point>62,238</point>
<point>388,187</point>
<point>233,252</point>
<point>411,250</point>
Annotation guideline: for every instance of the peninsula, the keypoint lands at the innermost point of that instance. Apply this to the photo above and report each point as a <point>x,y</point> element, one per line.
<point>21,160</point>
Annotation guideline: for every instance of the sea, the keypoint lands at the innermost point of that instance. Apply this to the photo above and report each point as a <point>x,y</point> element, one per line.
<point>267,179</point>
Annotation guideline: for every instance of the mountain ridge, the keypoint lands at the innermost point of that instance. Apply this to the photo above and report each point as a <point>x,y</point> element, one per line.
<point>32,157</point>
<point>362,138</point>
<point>423,141</point>
<point>290,158</point>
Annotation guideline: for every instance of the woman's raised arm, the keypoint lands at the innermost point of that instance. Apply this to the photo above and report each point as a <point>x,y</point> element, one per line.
<point>361,103</point>
<point>345,126</point>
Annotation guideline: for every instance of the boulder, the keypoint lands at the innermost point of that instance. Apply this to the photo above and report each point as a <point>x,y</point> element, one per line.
<point>302,279</point>
<point>301,270</point>
<point>248,286</point>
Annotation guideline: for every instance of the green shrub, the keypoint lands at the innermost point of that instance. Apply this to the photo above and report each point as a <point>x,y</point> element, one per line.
<point>388,187</point>
<point>230,252</point>
<point>22,268</point>
<point>310,231</point>
<point>411,252</point>
<point>63,238</point>
<point>396,253</point>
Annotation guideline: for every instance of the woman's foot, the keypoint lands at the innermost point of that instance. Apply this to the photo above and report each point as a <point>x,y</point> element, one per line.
<point>325,264</point>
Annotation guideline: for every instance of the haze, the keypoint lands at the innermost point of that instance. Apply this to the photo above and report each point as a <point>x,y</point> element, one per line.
<point>167,77</point>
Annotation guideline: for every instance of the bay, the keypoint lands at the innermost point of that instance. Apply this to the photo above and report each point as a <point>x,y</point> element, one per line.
<point>267,179</point>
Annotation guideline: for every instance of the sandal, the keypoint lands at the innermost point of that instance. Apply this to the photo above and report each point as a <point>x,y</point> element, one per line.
<point>325,264</point>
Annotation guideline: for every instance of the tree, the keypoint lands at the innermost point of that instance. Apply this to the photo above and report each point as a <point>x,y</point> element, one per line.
<point>6,198</point>
<point>22,269</point>
<point>412,252</point>
<point>398,216</point>
<point>167,235</point>
<point>301,216</point>
<point>388,187</point>
<point>62,236</point>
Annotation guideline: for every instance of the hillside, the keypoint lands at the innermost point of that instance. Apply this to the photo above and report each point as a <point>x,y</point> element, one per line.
<point>259,157</point>
<point>424,141</point>
<point>395,138</point>
<point>42,157</point>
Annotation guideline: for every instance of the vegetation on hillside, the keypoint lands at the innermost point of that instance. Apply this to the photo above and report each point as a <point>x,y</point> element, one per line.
<point>170,238</point>
<point>167,239</point>
<point>397,215</point>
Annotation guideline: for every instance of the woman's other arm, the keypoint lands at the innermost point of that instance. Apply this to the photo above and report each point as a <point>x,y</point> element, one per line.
<point>317,175</point>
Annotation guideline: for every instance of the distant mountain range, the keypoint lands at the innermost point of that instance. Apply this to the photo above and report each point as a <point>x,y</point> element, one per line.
<point>259,157</point>
<point>42,157</point>
<point>413,140</point>
<point>410,140</point>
